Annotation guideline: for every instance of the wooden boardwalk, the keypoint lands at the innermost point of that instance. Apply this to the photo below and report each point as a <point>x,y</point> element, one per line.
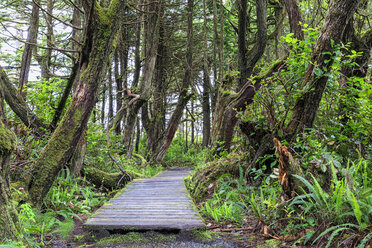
<point>157,203</point>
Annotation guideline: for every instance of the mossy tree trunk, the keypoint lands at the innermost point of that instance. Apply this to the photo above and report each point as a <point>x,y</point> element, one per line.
<point>99,40</point>
<point>7,211</point>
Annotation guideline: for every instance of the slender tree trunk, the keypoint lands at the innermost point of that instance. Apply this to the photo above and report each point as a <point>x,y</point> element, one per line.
<point>184,96</point>
<point>242,46</point>
<point>138,136</point>
<point>137,57</point>
<point>119,89</point>
<point>8,217</point>
<point>294,16</point>
<point>110,95</point>
<point>65,95</point>
<point>206,109</point>
<point>30,42</point>
<point>103,106</point>
<point>101,31</point>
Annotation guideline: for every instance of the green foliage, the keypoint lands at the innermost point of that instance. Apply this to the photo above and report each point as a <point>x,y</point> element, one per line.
<point>71,195</point>
<point>348,201</point>
<point>69,199</point>
<point>98,154</point>
<point>177,154</point>
<point>43,97</point>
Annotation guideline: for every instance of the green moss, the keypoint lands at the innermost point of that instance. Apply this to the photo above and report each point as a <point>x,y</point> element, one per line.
<point>204,235</point>
<point>271,243</point>
<point>135,237</point>
<point>226,92</point>
<point>201,179</point>
<point>7,139</point>
<point>131,237</point>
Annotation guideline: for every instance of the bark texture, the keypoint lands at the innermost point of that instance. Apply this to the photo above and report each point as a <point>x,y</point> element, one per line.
<point>101,31</point>
<point>294,16</point>
<point>30,44</point>
<point>7,210</point>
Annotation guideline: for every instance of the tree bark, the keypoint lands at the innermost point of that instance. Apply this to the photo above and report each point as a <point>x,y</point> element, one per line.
<point>258,50</point>
<point>242,46</point>
<point>101,31</point>
<point>294,16</point>
<point>184,96</point>
<point>8,217</point>
<point>30,43</point>
<point>206,85</point>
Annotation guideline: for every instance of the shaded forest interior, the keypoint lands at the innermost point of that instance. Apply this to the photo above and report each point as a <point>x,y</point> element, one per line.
<point>269,102</point>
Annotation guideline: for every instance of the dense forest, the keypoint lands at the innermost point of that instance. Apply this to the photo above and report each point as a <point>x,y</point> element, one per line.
<point>268,101</point>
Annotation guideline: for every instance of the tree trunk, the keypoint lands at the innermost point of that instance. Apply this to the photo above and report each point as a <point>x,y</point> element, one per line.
<point>242,46</point>
<point>110,95</point>
<point>18,104</point>
<point>294,16</point>
<point>101,31</point>
<point>103,106</point>
<point>184,96</point>
<point>151,47</point>
<point>258,50</point>
<point>30,43</point>
<point>119,89</point>
<point>206,84</point>
<point>228,104</point>
<point>337,19</point>
<point>77,160</point>
<point>8,217</point>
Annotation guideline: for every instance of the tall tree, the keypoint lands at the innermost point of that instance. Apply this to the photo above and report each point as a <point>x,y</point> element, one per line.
<point>184,95</point>
<point>30,43</point>
<point>206,84</point>
<point>100,33</point>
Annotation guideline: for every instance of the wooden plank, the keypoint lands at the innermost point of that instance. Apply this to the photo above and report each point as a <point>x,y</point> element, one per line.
<point>149,204</point>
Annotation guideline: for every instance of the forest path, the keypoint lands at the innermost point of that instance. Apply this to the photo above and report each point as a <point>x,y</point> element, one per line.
<point>158,203</point>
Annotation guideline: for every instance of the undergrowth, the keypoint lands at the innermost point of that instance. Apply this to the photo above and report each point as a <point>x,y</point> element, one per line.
<point>340,216</point>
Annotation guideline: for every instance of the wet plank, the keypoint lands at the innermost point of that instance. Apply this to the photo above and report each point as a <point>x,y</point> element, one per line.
<point>149,204</point>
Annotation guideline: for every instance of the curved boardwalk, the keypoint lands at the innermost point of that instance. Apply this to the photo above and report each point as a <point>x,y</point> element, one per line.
<point>149,204</point>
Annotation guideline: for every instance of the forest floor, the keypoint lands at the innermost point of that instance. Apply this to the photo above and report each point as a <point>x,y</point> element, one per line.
<point>219,237</point>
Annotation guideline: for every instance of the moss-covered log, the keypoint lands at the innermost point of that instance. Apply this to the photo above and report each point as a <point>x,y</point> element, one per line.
<point>100,35</point>
<point>104,179</point>
<point>202,181</point>
<point>8,217</point>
